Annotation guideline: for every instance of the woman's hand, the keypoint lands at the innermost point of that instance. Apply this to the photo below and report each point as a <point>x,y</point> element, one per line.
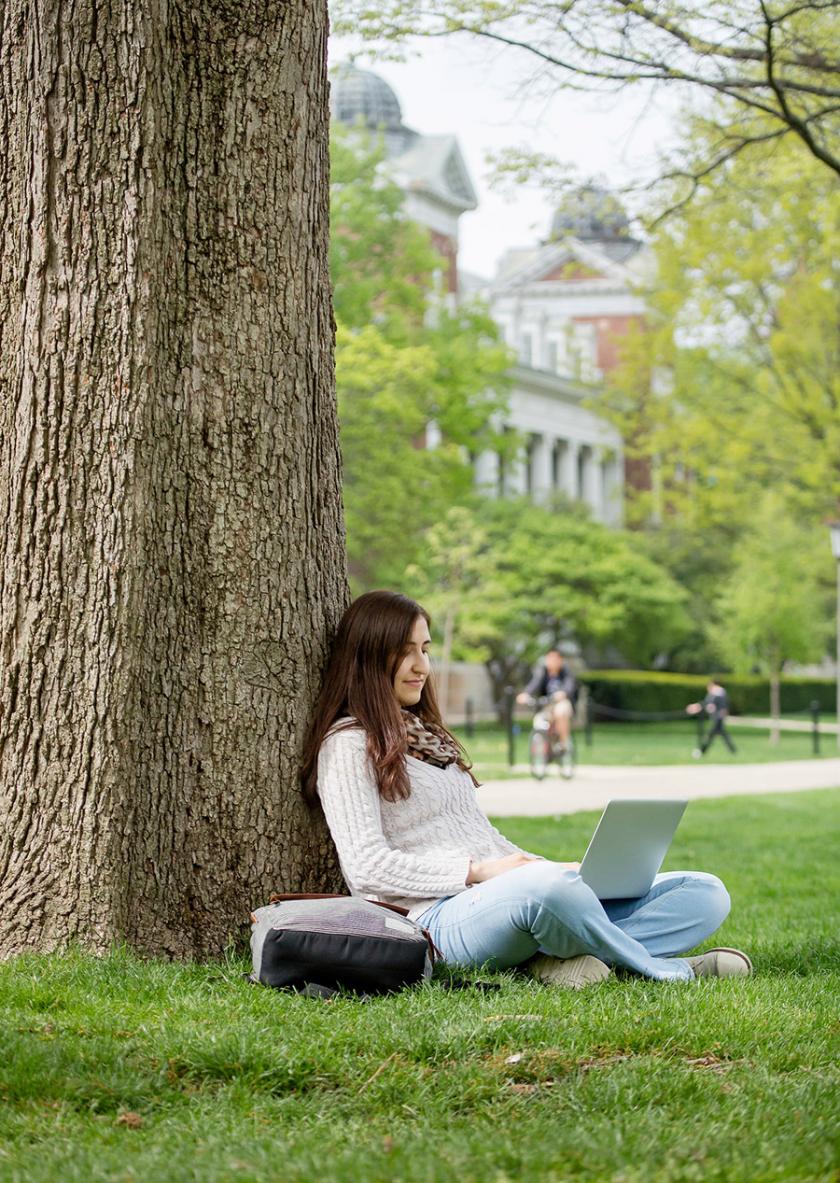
<point>479,872</point>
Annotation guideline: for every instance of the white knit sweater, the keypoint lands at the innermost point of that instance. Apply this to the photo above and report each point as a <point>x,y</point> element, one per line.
<point>410,852</point>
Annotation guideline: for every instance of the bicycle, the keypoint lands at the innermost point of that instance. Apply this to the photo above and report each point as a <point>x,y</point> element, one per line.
<point>544,747</point>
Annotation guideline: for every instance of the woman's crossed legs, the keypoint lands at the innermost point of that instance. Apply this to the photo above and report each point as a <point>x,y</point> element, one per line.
<point>543,907</point>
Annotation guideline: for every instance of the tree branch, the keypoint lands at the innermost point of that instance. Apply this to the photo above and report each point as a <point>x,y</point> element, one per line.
<point>597,43</point>
<point>700,47</point>
<point>694,177</point>
<point>794,122</point>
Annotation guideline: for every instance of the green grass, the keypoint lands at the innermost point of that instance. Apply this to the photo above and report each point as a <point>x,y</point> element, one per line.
<point>631,1080</point>
<point>644,744</point>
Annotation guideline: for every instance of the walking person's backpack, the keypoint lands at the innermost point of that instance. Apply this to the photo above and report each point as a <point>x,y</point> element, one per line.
<point>318,945</point>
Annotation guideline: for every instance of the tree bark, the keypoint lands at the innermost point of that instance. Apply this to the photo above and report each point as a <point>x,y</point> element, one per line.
<point>775,701</point>
<point>171,548</point>
<point>445,664</point>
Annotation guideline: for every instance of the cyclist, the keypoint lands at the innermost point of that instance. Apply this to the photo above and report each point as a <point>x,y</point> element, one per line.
<point>556,682</point>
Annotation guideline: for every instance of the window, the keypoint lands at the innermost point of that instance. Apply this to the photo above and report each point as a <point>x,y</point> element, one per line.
<point>586,350</point>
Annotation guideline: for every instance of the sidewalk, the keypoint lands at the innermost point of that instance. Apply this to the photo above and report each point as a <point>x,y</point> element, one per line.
<point>594,785</point>
<point>765,723</point>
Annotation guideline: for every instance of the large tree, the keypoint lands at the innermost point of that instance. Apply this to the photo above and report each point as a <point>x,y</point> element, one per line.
<point>171,549</point>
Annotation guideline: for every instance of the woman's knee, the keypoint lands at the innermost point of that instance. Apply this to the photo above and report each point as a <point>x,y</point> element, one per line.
<point>547,884</point>
<point>712,897</point>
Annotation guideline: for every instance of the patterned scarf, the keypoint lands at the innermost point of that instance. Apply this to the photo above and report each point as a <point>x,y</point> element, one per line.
<point>428,743</point>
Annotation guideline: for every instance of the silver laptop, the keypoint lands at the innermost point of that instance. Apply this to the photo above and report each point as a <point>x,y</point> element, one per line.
<point>626,851</point>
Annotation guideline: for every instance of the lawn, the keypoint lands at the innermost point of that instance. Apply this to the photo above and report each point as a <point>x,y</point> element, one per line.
<point>643,744</point>
<point>117,1069</point>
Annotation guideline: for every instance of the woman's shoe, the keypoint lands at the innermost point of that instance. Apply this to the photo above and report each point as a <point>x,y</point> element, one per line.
<point>721,963</point>
<point>573,972</point>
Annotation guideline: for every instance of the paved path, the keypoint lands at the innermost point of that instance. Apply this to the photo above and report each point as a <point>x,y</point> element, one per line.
<point>594,785</point>
<point>828,728</point>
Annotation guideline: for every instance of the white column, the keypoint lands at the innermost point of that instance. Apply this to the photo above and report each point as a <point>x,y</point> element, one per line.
<point>613,490</point>
<point>515,480</point>
<point>541,474</point>
<point>567,459</point>
<point>592,481</point>
<point>433,435</point>
<point>487,472</point>
<point>515,327</point>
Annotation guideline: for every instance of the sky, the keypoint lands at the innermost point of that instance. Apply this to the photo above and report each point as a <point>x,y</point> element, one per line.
<point>486,96</point>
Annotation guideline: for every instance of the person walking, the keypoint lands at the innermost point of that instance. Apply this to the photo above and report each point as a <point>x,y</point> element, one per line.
<point>716,706</point>
<point>398,796</point>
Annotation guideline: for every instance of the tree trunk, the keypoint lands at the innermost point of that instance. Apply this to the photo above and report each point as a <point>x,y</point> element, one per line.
<point>171,548</point>
<point>505,671</point>
<point>775,702</point>
<point>445,665</point>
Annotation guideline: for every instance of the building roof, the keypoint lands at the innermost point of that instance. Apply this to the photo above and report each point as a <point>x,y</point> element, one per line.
<point>586,262</point>
<point>434,164</point>
<point>431,165</point>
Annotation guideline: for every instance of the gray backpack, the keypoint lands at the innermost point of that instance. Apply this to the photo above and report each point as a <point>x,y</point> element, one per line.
<point>318,945</point>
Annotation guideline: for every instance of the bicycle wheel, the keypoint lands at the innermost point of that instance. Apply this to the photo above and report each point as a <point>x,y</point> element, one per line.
<point>568,760</point>
<point>539,750</point>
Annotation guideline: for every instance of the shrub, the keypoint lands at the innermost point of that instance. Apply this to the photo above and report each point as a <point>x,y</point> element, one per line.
<point>649,692</point>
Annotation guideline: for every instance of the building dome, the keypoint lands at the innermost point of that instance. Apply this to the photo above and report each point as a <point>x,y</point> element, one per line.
<point>360,96</point>
<point>591,214</point>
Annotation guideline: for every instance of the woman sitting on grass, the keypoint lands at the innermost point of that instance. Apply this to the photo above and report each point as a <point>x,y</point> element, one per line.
<point>400,803</point>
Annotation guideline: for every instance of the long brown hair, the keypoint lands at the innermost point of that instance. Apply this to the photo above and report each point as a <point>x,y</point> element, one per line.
<point>359,684</point>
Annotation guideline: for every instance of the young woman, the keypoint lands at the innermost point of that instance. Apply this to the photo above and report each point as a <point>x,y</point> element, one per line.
<point>400,803</point>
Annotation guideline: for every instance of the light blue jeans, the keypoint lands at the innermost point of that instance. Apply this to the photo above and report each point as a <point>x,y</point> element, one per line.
<point>542,907</point>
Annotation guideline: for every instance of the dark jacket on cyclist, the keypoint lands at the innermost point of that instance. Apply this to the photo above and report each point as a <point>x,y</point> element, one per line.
<point>543,684</point>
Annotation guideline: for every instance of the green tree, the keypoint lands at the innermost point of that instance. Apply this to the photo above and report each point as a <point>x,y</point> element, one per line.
<point>451,570</point>
<point>775,63</point>
<point>406,358</point>
<point>394,488</point>
<point>534,575</point>
<point>774,607</point>
<point>735,383</point>
<point>381,263</point>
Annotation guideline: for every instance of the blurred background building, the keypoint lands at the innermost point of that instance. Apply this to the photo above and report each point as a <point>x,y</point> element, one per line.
<point>562,305</point>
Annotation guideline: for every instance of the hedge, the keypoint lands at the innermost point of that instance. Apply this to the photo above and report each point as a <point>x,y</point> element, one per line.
<point>643,690</point>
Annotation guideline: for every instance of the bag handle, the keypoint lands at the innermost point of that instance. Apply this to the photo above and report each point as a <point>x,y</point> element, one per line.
<point>281,897</point>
